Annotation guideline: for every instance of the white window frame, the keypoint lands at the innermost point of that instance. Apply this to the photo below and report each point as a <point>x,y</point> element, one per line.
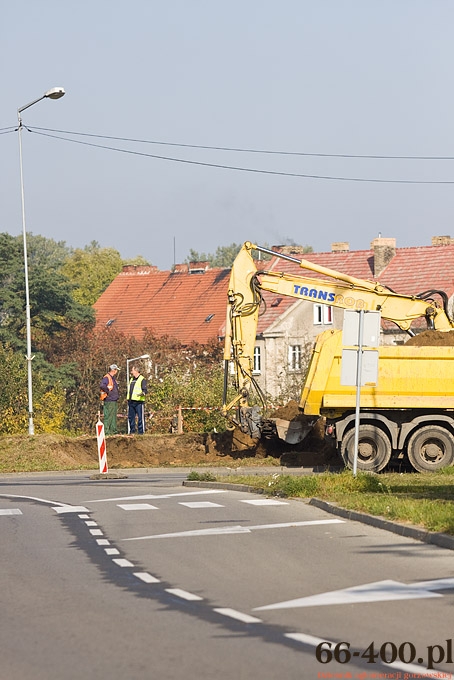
<point>323,314</point>
<point>294,357</point>
<point>257,365</point>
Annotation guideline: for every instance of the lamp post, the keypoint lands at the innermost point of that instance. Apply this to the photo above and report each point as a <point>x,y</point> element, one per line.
<point>128,361</point>
<point>54,93</point>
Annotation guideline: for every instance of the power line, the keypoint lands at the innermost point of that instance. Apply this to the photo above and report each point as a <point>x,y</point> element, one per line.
<point>243,169</point>
<point>246,150</point>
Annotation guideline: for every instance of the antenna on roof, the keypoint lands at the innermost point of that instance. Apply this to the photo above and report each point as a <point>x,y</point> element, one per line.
<point>174,256</point>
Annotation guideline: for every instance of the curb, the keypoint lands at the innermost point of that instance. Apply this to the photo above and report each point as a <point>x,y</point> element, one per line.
<point>407,530</point>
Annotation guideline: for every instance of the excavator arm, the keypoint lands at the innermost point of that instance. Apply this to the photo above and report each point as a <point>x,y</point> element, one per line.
<point>337,289</point>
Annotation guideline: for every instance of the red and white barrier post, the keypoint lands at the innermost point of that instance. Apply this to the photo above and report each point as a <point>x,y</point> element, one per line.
<point>100,436</point>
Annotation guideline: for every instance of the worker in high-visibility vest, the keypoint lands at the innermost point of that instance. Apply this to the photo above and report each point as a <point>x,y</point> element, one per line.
<point>137,390</point>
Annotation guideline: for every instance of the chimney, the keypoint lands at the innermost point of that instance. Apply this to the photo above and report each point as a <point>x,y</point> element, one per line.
<point>181,268</point>
<point>442,240</point>
<point>292,249</point>
<point>340,247</point>
<point>384,251</point>
<point>141,269</point>
<point>199,267</point>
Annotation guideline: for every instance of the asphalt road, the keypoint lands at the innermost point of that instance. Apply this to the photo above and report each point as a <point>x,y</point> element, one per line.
<point>145,578</point>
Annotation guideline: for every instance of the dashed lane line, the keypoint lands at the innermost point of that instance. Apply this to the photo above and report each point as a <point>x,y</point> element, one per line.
<point>200,504</point>
<point>239,616</point>
<point>183,594</point>
<point>137,506</point>
<point>111,551</point>
<point>60,509</point>
<point>10,511</point>
<point>146,577</point>
<point>121,562</point>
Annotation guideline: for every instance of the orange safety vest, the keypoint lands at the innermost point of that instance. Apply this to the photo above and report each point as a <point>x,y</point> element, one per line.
<point>110,385</point>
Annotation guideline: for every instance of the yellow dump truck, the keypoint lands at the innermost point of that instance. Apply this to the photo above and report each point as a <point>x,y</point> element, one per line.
<point>409,411</point>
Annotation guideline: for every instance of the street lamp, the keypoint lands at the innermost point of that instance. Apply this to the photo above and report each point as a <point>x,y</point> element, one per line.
<point>128,361</point>
<point>54,93</point>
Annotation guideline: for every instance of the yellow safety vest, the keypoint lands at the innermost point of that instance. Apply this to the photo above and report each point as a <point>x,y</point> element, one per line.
<point>137,389</point>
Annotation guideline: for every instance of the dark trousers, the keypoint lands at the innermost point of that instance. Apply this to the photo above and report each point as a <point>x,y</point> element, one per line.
<point>136,410</point>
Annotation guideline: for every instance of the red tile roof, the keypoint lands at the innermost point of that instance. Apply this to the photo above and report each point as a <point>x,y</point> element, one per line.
<point>179,304</point>
<point>189,307</point>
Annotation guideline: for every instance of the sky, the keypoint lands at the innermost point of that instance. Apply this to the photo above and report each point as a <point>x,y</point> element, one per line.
<point>331,78</point>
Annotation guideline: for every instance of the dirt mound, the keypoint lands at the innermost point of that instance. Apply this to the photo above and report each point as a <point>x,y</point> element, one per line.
<point>56,452</point>
<point>432,338</point>
<point>291,411</point>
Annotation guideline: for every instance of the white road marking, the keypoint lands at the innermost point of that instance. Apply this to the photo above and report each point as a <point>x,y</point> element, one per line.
<point>237,529</point>
<point>306,639</point>
<point>69,508</point>
<point>435,584</point>
<point>148,496</point>
<point>102,541</point>
<point>196,532</point>
<point>122,562</point>
<point>379,591</point>
<point>146,577</point>
<point>84,516</point>
<point>234,614</point>
<point>111,551</point>
<point>96,532</point>
<point>183,594</point>
<point>11,511</point>
<point>265,501</point>
<point>90,523</point>
<point>138,506</point>
<point>289,525</point>
<point>34,498</point>
<point>201,504</point>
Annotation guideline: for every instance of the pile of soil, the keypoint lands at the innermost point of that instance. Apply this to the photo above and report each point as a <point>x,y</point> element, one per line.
<point>432,338</point>
<point>57,452</point>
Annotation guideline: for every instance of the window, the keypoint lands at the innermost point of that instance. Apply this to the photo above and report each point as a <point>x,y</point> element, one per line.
<point>323,314</point>
<point>294,357</point>
<point>257,360</point>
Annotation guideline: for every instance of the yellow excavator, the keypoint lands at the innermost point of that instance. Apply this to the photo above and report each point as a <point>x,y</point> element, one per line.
<point>409,411</point>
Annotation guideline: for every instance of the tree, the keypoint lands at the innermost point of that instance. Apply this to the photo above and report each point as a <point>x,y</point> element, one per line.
<point>52,304</point>
<point>92,268</point>
<point>223,257</point>
<point>48,402</point>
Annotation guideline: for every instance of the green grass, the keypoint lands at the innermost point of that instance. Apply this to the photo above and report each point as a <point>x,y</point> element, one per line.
<point>425,500</point>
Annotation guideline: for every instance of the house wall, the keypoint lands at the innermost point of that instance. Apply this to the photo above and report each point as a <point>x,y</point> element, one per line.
<point>296,327</point>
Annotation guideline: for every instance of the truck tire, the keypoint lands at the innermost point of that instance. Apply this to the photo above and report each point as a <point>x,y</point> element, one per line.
<point>374,448</point>
<point>431,448</point>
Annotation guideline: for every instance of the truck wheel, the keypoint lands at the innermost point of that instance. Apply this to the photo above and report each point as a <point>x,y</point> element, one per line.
<point>431,448</point>
<point>374,448</point>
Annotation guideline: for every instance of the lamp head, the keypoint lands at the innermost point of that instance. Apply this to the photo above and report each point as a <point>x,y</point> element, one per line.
<point>55,93</point>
